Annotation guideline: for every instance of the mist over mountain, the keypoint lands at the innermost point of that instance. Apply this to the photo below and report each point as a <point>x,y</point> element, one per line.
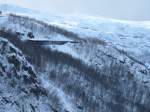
<point>137,10</point>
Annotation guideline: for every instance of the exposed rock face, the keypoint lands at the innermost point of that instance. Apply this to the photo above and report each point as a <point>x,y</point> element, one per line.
<point>20,90</point>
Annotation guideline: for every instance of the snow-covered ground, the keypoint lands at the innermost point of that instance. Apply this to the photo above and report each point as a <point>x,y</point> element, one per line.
<point>101,44</point>
<point>129,37</point>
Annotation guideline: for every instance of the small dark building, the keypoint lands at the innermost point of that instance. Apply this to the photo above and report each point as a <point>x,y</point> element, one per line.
<point>30,35</point>
<point>0,12</point>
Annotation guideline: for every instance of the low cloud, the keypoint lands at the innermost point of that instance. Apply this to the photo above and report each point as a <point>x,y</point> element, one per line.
<point>119,9</point>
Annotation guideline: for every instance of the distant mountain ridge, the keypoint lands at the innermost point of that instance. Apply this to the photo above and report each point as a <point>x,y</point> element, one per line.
<point>15,9</point>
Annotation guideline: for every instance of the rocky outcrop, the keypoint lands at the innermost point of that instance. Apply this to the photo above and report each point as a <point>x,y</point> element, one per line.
<point>20,91</point>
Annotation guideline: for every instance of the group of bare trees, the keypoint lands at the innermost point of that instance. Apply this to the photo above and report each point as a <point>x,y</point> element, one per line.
<point>40,26</point>
<point>110,88</point>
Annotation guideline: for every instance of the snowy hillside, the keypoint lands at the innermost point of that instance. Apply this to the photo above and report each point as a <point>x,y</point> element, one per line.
<point>84,64</point>
<point>18,82</point>
<point>131,37</point>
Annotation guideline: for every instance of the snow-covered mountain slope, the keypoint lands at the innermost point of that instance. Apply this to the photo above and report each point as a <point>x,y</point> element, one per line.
<point>128,36</point>
<point>76,86</point>
<point>131,37</point>
<point>23,90</point>
<point>132,50</point>
<point>104,67</point>
<point>19,87</point>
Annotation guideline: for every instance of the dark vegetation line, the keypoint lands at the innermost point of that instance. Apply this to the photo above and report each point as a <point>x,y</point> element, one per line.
<point>54,29</point>
<point>51,28</point>
<point>49,42</point>
<point>37,54</point>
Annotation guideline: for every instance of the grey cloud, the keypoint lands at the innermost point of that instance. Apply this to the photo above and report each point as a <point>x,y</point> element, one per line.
<point>119,9</point>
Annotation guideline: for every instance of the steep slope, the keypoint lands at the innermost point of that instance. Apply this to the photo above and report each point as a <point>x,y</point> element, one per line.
<point>20,89</point>
<point>91,75</point>
<point>109,88</point>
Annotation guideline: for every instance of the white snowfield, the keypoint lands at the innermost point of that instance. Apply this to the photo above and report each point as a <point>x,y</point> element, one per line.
<point>127,41</point>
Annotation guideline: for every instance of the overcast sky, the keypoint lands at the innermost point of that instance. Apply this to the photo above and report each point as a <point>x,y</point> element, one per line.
<point>118,9</point>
